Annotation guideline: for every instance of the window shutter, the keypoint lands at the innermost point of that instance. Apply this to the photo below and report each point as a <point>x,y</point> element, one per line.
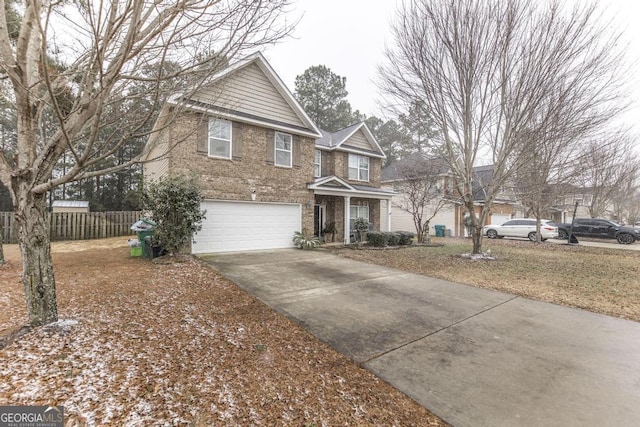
<point>324,158</point>
<point>271,141</point>
<point>236,143</point>
<point>202,135</point>
<point>346,165</point>
<point>296,148</point>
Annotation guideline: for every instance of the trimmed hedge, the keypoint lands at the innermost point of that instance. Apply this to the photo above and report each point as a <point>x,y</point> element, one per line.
<point>390,238</point>
<point>406,237</point>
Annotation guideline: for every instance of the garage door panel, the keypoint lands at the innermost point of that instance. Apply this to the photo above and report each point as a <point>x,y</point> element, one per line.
<point>240,226</point>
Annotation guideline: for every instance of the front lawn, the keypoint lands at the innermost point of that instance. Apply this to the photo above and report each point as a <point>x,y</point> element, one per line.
<point>141,343</point>
<point>601,280</point>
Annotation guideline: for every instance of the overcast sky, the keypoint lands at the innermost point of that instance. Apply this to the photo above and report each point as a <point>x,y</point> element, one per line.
<point>349,36</point>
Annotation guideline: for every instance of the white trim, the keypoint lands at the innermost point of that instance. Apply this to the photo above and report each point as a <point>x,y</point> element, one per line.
<point>318,153</point>
<point>358,207</point>
<point>276,149</point>
<point>352,193</point>
<point>242,119</point>
<point>347,220</point>
<point>213,120</point>
<point>348,189</point>
<point>254,202</point>
<point>330,178</point>
<point>358,169</point>
<point>350,150</point>
<point>361,152</point>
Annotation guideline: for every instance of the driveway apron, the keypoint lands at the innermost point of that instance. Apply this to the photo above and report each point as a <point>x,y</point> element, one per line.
<point>473,357</point>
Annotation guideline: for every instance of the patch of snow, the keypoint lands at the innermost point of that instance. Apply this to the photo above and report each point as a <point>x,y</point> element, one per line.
<point>485,256</point>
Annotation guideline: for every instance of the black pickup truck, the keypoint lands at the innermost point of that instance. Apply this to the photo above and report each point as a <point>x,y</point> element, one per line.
<point>601,229</point>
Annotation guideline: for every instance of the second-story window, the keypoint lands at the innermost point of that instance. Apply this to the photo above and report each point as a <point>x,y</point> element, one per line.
<point>220,138</point>
<point>317,164</point>
<point>284,149</point>
<point>358,167</point>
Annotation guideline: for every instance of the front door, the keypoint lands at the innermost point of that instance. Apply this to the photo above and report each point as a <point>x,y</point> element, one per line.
<point>318,219</point>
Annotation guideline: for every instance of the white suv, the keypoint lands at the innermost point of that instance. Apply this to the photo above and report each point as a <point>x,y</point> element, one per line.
<point>522,227</point>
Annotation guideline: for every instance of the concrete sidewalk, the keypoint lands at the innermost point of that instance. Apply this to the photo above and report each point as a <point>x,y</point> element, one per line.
<point>471,356</point>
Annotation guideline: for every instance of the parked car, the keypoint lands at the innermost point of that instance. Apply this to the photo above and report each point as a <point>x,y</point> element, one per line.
<point>522,227</point>
<point>600,228</point>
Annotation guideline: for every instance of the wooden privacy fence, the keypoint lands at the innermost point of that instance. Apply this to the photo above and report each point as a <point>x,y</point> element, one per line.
<point>77,225</point>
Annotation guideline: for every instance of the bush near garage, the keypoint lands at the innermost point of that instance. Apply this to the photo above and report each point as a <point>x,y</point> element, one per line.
<point>174,204</point>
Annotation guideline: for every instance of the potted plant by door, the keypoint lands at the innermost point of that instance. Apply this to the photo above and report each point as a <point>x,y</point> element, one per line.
<point>329,229</point>
<point>362,226</point>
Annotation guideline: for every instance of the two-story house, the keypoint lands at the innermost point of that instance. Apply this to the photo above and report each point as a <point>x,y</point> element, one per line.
<point>264,167</point>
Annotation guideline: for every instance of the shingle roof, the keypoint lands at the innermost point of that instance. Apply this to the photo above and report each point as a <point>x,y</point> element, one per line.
<point>337,139</point>
<point>483,178</point>
<point>413,165</point>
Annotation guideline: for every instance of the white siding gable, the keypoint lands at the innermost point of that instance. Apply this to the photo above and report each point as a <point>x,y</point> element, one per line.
<point>248,90</point>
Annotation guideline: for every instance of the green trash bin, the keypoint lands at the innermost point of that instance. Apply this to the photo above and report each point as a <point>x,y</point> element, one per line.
<point>144,229</point>
<point>146,242</point>
<point>439,230</point>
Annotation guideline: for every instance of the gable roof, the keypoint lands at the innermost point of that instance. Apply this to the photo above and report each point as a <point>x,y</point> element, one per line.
<point>335,186</point>
<point>356,138</point>
<point>250,91</point>
<point>412,166</point>
<point>482,178</point>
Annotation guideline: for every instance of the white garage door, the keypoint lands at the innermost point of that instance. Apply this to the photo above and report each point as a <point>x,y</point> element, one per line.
<point>243,226</point>
<point>498,219</point>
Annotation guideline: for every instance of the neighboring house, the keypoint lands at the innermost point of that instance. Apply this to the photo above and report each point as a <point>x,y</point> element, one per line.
<point>262,173</point>
<point>395,177</point>
<point>562,210</point>
<point>70,206</point>
<point>504,207</point>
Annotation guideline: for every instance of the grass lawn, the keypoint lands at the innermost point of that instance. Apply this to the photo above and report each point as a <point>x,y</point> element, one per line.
<point>601,280</point>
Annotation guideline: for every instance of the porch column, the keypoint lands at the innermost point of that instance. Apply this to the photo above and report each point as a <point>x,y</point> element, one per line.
<point>388,215</point>
<point>347,219</point>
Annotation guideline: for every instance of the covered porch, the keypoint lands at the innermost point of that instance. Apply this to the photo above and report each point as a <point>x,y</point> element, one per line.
<point>338,204</point>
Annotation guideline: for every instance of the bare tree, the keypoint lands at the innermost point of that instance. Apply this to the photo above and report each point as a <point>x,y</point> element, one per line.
<point>608,170</point>
<point>632,206</point>
<point>421,181</point>
<point>105,48</point>
<point>495,74</point>
<point>543,169</point>
<point>624,203</point>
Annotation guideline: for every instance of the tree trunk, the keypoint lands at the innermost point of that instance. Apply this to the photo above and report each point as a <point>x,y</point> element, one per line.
<point>37,267</point>
<point>420,234</point>
<point>476,235</point>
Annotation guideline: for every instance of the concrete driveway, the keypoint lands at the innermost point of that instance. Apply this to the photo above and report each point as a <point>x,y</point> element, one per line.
<point>611,244</point>
<point>471,356</point>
